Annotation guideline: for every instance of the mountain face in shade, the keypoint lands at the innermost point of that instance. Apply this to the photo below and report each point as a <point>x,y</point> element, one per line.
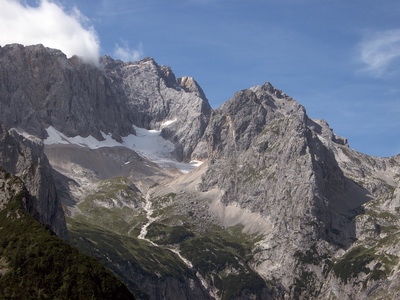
<point>40,87</point>
<point>25,158</point>
<point>252,200</point>
<point>154,96</point>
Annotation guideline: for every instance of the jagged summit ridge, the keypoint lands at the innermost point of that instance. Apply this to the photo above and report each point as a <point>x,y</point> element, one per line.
<point>280,207</point>
<point>40,87</point>
<point>154,95</point>
<point>80,99</point>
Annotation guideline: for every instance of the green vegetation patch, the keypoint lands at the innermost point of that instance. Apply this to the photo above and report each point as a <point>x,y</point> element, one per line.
<point>164,211</point>
<point>139,256</point>
<point>114,188</point>
<point>222,255</point>
<point>163,234</point>
<point>275,127</point>
<point>304,284</point>
<point>250,174</point>
<point>118,204</point>
<point>356,260</point>
<point>39,265</point>
<point>382,215</point>
<point>122,221</point>
<point>163,200</point>
<point>221,262</point>
<point>234,284</point>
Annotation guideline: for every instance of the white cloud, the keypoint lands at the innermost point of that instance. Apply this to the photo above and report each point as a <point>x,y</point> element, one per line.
<point>125,53</point>
<point>50,25</point>
<point>379,50</point>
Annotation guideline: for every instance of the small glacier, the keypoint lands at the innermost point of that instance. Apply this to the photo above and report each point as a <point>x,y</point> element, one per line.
<point>147,143</point>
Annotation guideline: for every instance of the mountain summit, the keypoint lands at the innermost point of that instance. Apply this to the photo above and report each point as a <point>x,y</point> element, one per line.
<point>252,200</point>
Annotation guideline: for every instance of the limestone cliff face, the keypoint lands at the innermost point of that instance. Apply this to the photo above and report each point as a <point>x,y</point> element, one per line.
<point>25,158</point>
<point>157,100</point>
<point>326,217</point>
<point>369,268</point>
<point>267,157</point>
<point>40,87</point>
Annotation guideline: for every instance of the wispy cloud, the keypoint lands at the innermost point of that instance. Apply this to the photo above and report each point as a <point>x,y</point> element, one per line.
<point>379,50</point>
<point>108,8</point>
<point>50,25</point>
<point>125,53</point>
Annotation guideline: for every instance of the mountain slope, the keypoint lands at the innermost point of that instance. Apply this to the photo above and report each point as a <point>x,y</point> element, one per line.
<point>157,100</point>
<point>40,87</point>
<point>35,263</point>
<point>269,158</point>
<point>24,157</point>
<point>280,208</point>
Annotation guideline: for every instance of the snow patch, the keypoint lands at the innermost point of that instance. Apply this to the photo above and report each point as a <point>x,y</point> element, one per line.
<point>56,137</point>
<point>151,145</point>
<point>167,123</point>
<point>147,143</point>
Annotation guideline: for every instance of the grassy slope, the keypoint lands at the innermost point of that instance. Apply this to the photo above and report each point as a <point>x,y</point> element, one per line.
<point>112,240</point>
<point>36,264</point>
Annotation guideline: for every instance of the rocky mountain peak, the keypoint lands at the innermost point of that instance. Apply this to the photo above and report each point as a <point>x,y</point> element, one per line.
<point>190,85</point>
<point>239,121</point>
<point>155,97</point>
<point>40,87</point>
<point>321,127</point>
<point>280,200</point>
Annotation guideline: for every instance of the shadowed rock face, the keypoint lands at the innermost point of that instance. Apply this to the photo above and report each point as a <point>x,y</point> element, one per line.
<point>155,96</point>
<point>269,158</point>
<point>317,205</point>
<point>40,87</point>
<point>25,158</point>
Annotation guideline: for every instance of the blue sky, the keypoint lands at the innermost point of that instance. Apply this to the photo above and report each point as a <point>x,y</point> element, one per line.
<point>340,59</point>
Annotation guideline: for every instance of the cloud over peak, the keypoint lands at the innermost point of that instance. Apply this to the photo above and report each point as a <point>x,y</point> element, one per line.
<point>379,50</point>
<point>125,53</point>
<point>50,25</point>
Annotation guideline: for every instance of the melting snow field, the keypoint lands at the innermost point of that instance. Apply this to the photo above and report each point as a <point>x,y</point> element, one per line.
<point>147,143</point>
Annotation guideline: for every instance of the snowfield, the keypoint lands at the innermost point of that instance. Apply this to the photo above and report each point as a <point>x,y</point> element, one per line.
<point>147,143</point>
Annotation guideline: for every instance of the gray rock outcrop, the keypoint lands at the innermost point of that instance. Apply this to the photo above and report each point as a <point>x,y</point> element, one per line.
<point>267,157</point>
<point>326,218</point>
<point>40,87</point>
<point>25,158</point>
<point>157,100</point>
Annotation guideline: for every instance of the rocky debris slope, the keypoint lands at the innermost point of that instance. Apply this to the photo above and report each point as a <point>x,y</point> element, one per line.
<point>24,157</point>
<point>282,207</point>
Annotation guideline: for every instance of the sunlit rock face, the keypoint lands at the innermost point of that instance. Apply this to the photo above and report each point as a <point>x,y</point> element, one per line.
<point>251,200</point>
